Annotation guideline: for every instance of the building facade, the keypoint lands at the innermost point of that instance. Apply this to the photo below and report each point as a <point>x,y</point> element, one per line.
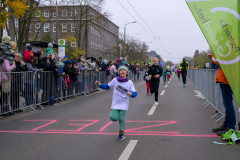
<point>82,26</point>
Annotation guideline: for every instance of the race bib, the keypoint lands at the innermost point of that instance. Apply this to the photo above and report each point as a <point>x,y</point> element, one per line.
<point>121,91</point>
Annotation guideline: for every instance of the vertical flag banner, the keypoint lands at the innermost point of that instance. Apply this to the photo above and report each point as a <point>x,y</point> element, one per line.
<point>219,21</point>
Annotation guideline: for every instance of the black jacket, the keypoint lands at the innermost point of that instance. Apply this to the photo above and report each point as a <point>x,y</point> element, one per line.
<point>72,72</point>
<point>155,70</point>
<point>46,66</point>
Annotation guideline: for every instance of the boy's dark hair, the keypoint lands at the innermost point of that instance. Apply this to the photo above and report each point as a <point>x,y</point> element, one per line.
<point>38,54</point>
<point>98,61</point>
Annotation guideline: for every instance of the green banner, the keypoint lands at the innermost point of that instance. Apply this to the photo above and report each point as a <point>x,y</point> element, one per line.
<point>219,21</point>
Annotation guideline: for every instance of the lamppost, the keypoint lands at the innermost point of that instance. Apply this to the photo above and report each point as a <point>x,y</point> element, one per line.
<point>125,35</point>
<point>120,49</point>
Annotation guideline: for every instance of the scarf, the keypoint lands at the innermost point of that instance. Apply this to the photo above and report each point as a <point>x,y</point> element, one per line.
<point>120,79</point>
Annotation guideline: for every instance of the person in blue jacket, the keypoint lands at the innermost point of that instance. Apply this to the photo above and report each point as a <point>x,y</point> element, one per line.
<point>122,90</point>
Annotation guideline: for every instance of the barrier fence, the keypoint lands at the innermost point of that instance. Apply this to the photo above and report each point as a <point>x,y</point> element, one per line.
<point>29,90</point>
<point>205,86</point>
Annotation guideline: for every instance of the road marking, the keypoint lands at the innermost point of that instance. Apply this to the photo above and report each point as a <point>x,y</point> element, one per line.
<point>162,93</point>
<point>166,86</point>
<point>128,150</point>
<point>152,110</point>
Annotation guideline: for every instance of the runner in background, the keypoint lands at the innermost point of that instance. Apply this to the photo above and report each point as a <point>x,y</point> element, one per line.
<point>146,78</point>
<point>164,74</point>
<point>184,68</point>
<point>169,73</point>
<point>179,73</point>
<point>155,72</point>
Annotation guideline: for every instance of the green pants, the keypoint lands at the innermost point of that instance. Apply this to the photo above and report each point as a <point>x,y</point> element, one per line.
<point>116,115</point>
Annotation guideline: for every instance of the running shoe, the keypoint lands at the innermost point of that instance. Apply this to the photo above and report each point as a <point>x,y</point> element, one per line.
<point>184,85</point>
<point>148,94</point>
<point>156,103</point>
<point>121,137</point>
<point>221,128</point>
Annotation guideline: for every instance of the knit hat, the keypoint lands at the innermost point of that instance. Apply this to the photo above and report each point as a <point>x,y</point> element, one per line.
<point>122,67</point>
<point>50,45</point>
<point>117,60</point>
<point>105,61</point>
<point>6,38</point>
<point>66,57</point>
<point>68,62</point>
<point>88,58</point>
<point>29,47</point>
<point>61,65</point>
<point>100,57</point>
<point>55,61</point>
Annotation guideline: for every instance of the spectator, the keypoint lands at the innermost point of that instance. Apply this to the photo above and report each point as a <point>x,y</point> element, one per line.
<point>5,49</point>
<point>49,50</point>
<point>45,63</point>
<point>58,78</point>
<point>88,74</point>
<point>29,82</point>
<point>113,69</point>
<point>58,58</point>
<point>5,82</point>
<point>28,53</point>
<point>61,66</point>
<point>16,82</point>
<point>80,58</point>
<point>227,95</point>
<point>64,59</point>
<point>80,80</point>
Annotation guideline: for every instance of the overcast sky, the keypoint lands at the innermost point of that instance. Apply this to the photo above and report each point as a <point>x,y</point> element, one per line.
<point>171,20</point>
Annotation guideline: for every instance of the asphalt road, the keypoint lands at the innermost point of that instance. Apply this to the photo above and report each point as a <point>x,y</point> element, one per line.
<point>179,128</point>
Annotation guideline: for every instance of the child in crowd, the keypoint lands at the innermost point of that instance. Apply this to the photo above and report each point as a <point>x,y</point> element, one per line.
<point>179,73</point>
<point>122,89</point>
<point>60,69</point>
<point>169,73</point>
<point>58,75</point>
<point>146,78</point>
<point>164,74</point>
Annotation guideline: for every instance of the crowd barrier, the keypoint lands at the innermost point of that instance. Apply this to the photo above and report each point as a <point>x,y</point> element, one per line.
<point>205,86</point>
<point>28,90</point>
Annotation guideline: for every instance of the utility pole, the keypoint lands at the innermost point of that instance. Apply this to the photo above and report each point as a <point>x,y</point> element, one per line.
<point>56,23</point>
<point>125,37</point>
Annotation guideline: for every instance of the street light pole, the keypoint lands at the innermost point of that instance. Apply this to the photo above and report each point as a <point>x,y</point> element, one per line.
<point>56,22</point>
<point>125,36</point>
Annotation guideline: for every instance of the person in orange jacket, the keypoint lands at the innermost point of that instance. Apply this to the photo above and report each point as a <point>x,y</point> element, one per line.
<point>227,96</point>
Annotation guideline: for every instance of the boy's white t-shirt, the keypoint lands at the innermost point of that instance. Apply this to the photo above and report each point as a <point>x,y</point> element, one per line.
<point>120,99</point>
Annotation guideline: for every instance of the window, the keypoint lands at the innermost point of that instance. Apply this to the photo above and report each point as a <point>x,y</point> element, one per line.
<point>46,27</point>
<point>37,14</point>
<point>73,42</point>
<point>64,27</point>
<point>37,27</point>
<point>73,27</point>
<point>16,22</point>
<point>73,13</point>
<point>54,13</point>
<point>16,38</point>
<point>46,13</point>
<point>64,13</point>
<point>54,40</point>
<point>54,27</point>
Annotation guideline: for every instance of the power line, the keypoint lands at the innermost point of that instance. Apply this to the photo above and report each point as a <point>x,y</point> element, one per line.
<point>138,23</point>
<point>147,25</point>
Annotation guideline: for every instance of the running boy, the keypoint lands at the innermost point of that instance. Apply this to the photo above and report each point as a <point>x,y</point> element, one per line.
<point>179,73</point>
<point>155,72</point>
<point>169,73</point>
<point>122,89</point>
<point>164,74</point>
<point>146,78</point>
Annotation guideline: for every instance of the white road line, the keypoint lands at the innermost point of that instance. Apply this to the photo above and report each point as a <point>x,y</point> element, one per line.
<point>128,150</point>
<point>152,110</point>
<point>162,93</point>
<point>166,86</point>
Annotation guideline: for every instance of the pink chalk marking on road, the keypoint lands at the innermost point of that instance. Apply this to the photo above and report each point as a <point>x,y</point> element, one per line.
<point>84,126</point>
<point>97,133</point>
<point>105,126</point>
<point>52,121</point>
<point>165,123</point>
<point>150,132</point>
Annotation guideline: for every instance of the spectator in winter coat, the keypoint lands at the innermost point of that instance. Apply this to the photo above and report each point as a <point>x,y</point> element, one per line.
<point>64,59</point>
<point>46,62</point>
<point>49,50</point>
<point>29,82</point>
<point>28,53</point>
<point>16,82</point>
<point>6,67</point>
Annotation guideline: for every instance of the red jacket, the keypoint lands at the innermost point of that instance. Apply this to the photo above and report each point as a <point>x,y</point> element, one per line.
<point>28,56</point>
<point>220,77</point>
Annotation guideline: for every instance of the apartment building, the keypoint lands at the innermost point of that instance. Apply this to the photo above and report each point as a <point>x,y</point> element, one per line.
<point>83,25</point>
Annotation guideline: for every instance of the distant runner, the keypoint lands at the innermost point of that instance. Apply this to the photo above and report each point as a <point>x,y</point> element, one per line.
<point>184,68</point>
